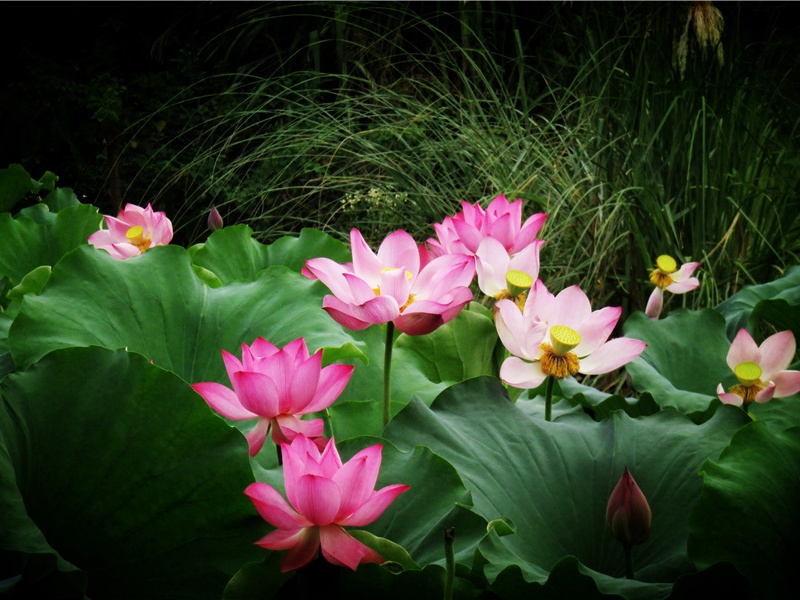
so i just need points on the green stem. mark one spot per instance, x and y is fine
(628, 560)
(387, 372)
(548, 399)
(449, 563)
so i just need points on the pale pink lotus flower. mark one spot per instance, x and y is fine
(502, 220)
(667, 276)
(132, 231)
(628, 514)
(559, 336)
(503, 276)
(761, 370)
(391, 286)
(277, 386)
(324, 496)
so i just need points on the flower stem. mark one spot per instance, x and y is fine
(548, 399)
(387, 372)
(628, 560)
(449, 563)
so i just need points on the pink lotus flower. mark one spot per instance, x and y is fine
(761, 370)
(132, 231)
(667, 276)
(502, 220)
(276, 386)
(324, 495)
(628, 514)
(390, 286)
(559, 336)
(214, 219)
(501, 275)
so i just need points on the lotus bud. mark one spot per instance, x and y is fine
(214, 219)
(628, 515)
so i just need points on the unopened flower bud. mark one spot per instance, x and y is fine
(628, 515)
(214, 219)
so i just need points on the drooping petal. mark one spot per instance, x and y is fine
(273, 507)
(655, 303)
(302, 545)
(520, 374)
(331, 274)
(373, 508)
(379, 310)
(787, 383)
(683, 274)
(777, 352)
(743, 349)
(611, 355)
(729, 397)
(342, 549)
(223, 400)
(257, 436)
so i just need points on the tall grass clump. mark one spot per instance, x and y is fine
(641, 129)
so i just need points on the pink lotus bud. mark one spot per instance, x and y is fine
(214, 219)
(628, 515)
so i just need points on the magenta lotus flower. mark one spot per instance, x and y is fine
(628, 514)
(277, 387)
(501, 275)
(214, 219)
(502, 220)
(559, 336)
(324, 496)
(761, 370)
(667, 276)
(132, 231)
(391, 286)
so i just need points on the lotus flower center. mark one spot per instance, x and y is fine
(563, 339)
(747, 373)
(518, 283)
(136, 237)
(667, 264)
(661, 276)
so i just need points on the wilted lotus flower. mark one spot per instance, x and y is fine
(324, 495)
(761, 370)
(628, 514)
(667, 276)
(214, 219)
(391, 286)
(132, 231)
(276, 386)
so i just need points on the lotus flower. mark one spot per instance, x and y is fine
(214, 219)
(559, 336)
(628, 514)
(132, 231)
(276, 386)
(667, 276)
(761, 370)
(324, 495)
(502, 220)
(390, 286)
(502, 276)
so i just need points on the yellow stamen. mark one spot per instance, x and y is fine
(518, 282)
(660, 277)
(136, 237)
(564, 339)
(559, 366)
(747, 392)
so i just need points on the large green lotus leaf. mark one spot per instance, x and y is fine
(155, 304)
(684, 360)
(743, 308)
(127, 474)
(15, 184)
(553, 479)
(416, 521)
(232, 254)
(747, 511)
(28, 243)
